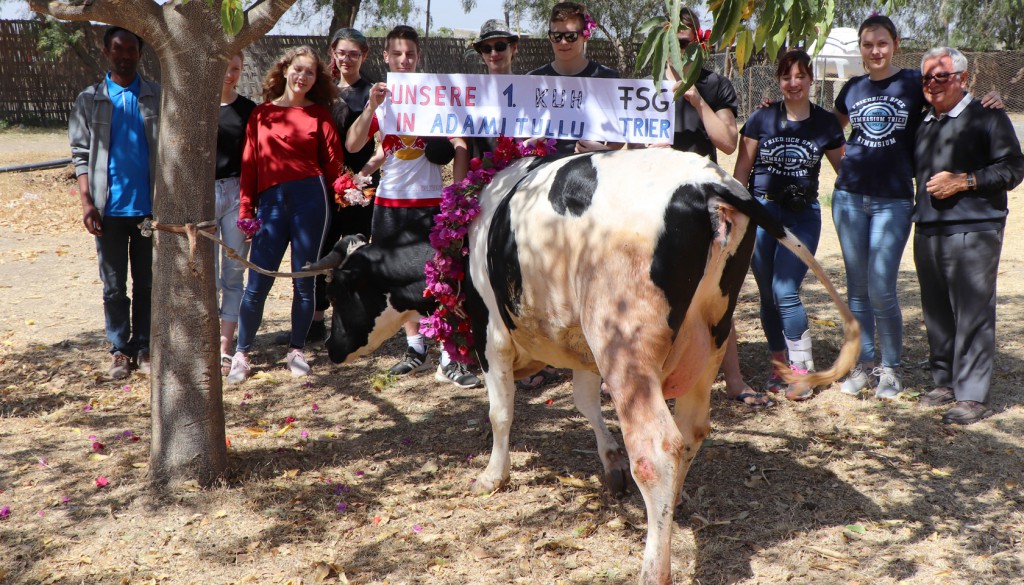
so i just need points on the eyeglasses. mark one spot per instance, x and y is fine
(350, 55)
(570, 36)
(940, 78)
(499, 46)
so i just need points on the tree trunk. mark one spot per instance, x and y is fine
(344, 14)
(188, 411)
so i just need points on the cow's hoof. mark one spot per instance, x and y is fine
(482, 486)
(617, 481)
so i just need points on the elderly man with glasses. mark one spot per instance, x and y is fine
(967, 158)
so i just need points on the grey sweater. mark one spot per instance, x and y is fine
(978, 140)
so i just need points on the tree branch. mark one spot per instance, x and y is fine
(259, 19)
(139, 16)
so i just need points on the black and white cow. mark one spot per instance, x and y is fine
(624, 266)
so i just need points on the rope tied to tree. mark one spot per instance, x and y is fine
(207, 229)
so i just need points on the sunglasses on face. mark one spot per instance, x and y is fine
(570, 36)
(499, 46)
(940, 78)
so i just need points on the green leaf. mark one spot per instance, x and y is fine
(232, 16)
(722, 19)
(659, 58)
(744, 48)
(693, 61)
(648, 26)
(776, 40)
(647, 50)
(856, 528)
(733, 24)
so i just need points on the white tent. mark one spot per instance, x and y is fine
(839, 58)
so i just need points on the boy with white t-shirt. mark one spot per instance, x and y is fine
(409, 193)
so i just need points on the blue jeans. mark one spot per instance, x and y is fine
(127, 319)
(873, 233)
(295, 212)
(779, 273)
(229, 272)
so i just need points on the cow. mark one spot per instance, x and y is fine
(621, 265)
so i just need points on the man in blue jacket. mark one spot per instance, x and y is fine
(113, 136)
(967, 158)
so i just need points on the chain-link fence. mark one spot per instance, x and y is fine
(1001, 71)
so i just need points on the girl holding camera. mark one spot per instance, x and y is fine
(779, 160)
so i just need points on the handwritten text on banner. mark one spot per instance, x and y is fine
(574, 108)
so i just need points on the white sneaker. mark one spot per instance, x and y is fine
(889, 383)
(857, 379)
(297, 363)
(240, 369)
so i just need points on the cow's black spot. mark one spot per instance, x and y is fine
(503, 268)
(357, 304)
(477, 311)
(681, 254)
(733, 274)
(573, 188)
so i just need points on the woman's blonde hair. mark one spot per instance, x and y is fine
(323, 91)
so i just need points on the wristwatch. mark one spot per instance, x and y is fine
(972, 181)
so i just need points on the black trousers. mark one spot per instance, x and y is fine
(957, 274)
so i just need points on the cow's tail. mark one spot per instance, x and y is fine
(735, 195)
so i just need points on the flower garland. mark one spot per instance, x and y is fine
(445, 272)
(249, 227)
(589, 26)
(351, 188)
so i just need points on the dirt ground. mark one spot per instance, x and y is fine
(333, 481)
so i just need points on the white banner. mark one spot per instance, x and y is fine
(572, 108)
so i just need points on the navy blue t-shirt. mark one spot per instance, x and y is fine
(884, 116)
(789, 152)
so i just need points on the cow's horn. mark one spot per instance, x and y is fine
(339, 253)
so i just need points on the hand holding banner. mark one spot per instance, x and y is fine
(525, 106)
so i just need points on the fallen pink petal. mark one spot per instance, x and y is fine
(42, 462)
(342, 506)
(315, 407)
(97, 446)
(64, 499)
(417, 528)
(87, 407)
(102, 482)
(304, 434)
(127, 388)
(5, 511)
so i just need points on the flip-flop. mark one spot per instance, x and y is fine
(743, 396)
(545, 377)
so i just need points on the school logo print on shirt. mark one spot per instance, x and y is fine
(404, 147)
(878, 118)
(787, 156)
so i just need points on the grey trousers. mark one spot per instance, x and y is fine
(957, 274)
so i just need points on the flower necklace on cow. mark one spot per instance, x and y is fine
(460, 205)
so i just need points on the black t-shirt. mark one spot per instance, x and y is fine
(231, 136)
(789, 152)
(690, 134)
(593, 69)
(356, 97)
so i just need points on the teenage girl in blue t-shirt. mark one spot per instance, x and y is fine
(874, 198)
(779, 160)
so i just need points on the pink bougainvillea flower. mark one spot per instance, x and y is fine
(316, 407)
(5, 511)
(92, 437)
(360, 473)
(127, 388)
(42, 462)
(126, 434)
(64, 499)
(304, 434)
(342, 506)
(87, 407)
(248, 396)
(97, 446)
(102, 482)
(41, 513)
(417, 528)
(289, 420)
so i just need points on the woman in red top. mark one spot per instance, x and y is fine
(292, 154)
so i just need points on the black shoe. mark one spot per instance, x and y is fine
(413, 362)
(317, 334)
(456, 373)
(967, 412)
